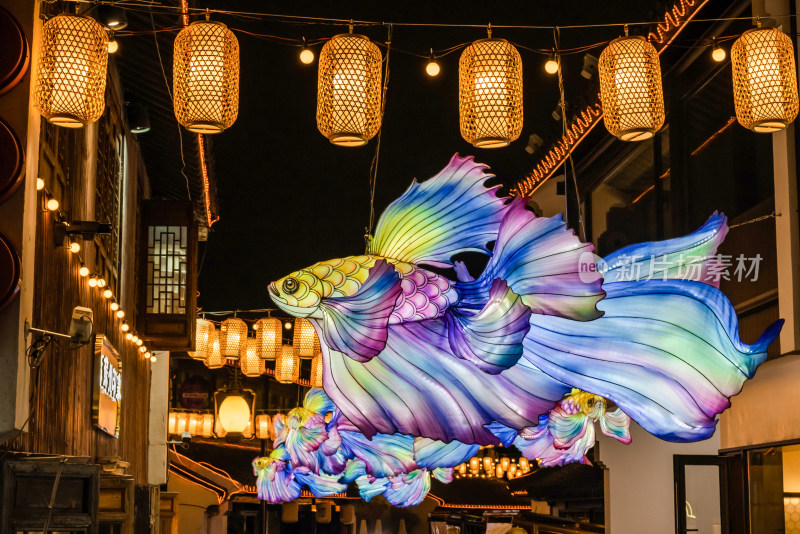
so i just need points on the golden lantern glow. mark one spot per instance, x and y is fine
(233, 338)
(52, 204)
(306, 56)
(120, 313)
(234, 414)
(287, 366)
(264, 428)
(504, 463)
(173, 417)
(107, 294)
(125, 327)
(305, 341)
(316, 371)
(499, 471)
(205, 77)
(202, 339)
(194, 419)
(73, 59)
(462, 468)
(84, 270)
(114, 306)
(349, 90)
(218, 430)
(630, 89)
(764, 80)
(474, 464)
(488, 464)
(269, 335)
(75, 247)
(182, 423)
(490, 93)
(250, 363)
(207, 427)
(39, 184)
(524, 464)
(214, 359)
(551, 66)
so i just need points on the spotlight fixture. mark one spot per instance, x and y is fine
(432, 67)
(111, 16)
(138, 117)
(589, 66)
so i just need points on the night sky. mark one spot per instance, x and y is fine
(289, 198)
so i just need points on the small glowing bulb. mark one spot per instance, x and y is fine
(107, 293)
(255, 326)
(140, 342)
(93, 281)
(134, 338)
(287, 325)
(101, 282)
(718, 54)
(113, 46)
(551, 67)
(52, 204)
(74, 247)
(147, 355)
(39, 184)
(142, 349)
(125, 327)
(120, 314)
(306, 56)
(84, 270)
(128, 336)
(432, 68)
(152, 359)
(114, 306)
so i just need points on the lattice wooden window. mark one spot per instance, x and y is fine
(108, 206)
(167, 253)
(59, 150)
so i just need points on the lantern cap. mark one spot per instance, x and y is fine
(350, 36)
(627, 37)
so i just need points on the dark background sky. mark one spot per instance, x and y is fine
(289, 198)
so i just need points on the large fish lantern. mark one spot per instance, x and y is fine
(409, 351)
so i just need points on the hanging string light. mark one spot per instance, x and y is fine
(306, 54)
(718, 53)
(269, 334)
(551, 65)
(764, 80)
(349, 90)
(305, 341)
(316, 371)
(206, 77)
(250, 363)
(490, 93)
(287, 366)
(233, 338)
(202, 339)
(71, 82)
(432, 68)
(630, 88)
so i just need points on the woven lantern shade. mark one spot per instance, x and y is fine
(205, 77)
(316, 371)
(73, 59)
(305, 341)
(233, 338)
(349, 90)
(264, 428)
(630, 89)
(172, 422)
(269, 334)
(250, 363)
(287, 366)
(202, 339)
(214, 360)
(490, 93)
(207, 429)
(764, 80)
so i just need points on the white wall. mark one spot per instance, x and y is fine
(639, 481)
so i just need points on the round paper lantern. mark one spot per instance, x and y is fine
(214, 360)
(269, 335)
(305, 341)
(234, 414)
(73, 58)
(764, 80)
(287, 366)
(316, 371)
(630, 89)
(250, 363)
(490, 93)
(233, 338)
(205, 77)
(202, 339)
(349, 90)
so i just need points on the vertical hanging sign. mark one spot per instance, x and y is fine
(107, 387)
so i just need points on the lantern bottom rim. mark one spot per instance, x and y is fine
(768, 126)
(65, 120)
(491, 142)
(639, 134)
(348, 139)
(205, 127)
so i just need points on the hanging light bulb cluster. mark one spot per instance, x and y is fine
(491, 462)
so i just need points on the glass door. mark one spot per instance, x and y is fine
(701, 502)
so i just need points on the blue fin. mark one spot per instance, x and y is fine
(505, 434)
(430, 453)
(356, 325)
(491, 339)
(450, 213)
(320, 485)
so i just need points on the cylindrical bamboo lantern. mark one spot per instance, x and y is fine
(504, 463)
(205, 77)
(524, 464)
(499, 471)
(287, 366)
(488, 464)
(202, 339)
(250, 363)
(233, 338)
(172, 422)
(182, 423)
(73, 59)
(490, 93)
(349, 90)
(316, 371)
(630, 89)
(269, 334)
(764, 80)
(214, 360)
(305, 341)
(474, 464)
(208, 425)
(264, 428)
(195, 424)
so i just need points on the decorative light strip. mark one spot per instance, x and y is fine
(674, 22)
(206, 191)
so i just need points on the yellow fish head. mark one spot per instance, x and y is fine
(299, 294)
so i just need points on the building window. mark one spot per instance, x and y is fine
(108, 205)
(167, 254)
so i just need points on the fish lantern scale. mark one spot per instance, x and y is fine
(269, 337)
(490, 93)
(630, 88)
(287, 366)
(203, 339)
(233, 338)
(205, 77)
(764, 80)
(214, 360)
(349, 90)
(73, 60)
(316, 371)
(250, 363)
(305, 341)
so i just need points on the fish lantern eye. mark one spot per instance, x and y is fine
(290, 286)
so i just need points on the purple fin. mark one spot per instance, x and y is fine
(491, 339)
(356, 325)
(462, 274)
